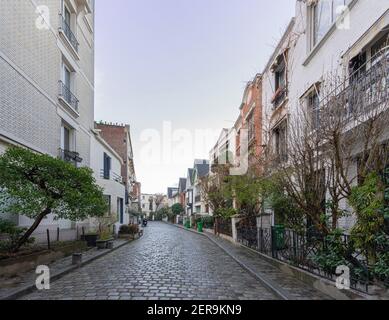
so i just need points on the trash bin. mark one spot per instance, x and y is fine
(279, 236)
(200, 225)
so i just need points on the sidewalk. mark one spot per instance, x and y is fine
(285, 286)
(59, 268)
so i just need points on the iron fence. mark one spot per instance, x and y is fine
(224, 226)
(301, 250)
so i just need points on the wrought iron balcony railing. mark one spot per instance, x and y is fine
(365, 91)
(67, 30)
(68, 96)
(70, 156)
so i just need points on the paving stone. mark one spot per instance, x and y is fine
(166, 263)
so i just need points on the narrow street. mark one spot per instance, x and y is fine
(167, 263)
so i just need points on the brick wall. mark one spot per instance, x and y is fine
(253, 96)
(116, 136)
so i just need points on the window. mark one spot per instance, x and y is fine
(325, 14)
(280, 76)
(67, 137)
(67, 77)
(377, 48)
(357, 66)
(68, 16)
(280, 80)
(314, 108)
(107, 166)
(280, 142)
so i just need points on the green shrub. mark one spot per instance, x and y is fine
(6, 226)
(332, 253)
(13, 235)
(208, 222)
(129, 229)
(225, 213)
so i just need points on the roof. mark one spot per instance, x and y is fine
(171, 192)
(190, 175)
(182, 185)
(202, 169)
(276, 52)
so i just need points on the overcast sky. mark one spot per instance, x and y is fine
(175, 70)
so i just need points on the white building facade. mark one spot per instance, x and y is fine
(326, 37)
(106, 165)
(47, 81)
(148, 205)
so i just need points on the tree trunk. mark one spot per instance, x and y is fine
(29, 232)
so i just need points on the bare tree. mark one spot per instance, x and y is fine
(214, 188)
(334, 142)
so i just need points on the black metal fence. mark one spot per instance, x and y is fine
(224, 226)
(301, 250)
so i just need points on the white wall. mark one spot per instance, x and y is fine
(307, 66)
(112, 188)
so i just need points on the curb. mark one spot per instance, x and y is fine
(31, 288)
(270, 285)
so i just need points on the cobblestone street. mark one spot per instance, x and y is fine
(167, 263)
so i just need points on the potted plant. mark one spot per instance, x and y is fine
(129, 231)
(105, 238)
(91, 239)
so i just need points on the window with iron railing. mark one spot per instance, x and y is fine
(66, 94)
(279, 69)
(107, 166)
(70, 156)
(65, 27)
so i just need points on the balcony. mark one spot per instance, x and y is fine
(67, 31)
(110, 175)
(279, 97)
(364, 94)
(67, 97)
(70, 156)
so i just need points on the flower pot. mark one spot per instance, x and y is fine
(77, 259)
(101, 244)
(110, 245)
(91, 240)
